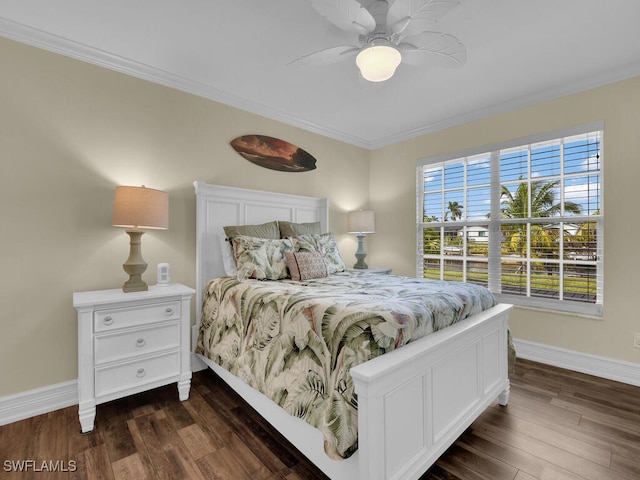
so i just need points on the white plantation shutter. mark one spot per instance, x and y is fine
(523, 219)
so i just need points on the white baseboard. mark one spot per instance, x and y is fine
(36, 402)
(620, 371)
(28, 404)
(47, 399)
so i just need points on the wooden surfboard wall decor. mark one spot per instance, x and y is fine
(273, 153)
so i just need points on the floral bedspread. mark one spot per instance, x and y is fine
(296, 341)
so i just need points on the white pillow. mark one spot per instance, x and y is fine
(228, 260)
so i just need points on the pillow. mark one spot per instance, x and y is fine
(265, 230)
(306, 265)
(324, 243)
(261, 258)
(228, 260)
(288, 229)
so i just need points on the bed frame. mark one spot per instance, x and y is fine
(413, 402)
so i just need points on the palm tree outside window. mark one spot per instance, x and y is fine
(524, 220)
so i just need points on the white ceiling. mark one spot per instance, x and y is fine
(236, 52)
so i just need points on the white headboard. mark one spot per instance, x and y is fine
(218, 206)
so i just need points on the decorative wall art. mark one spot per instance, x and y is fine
(273, 153)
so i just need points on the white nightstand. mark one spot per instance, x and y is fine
(379, 271)
(131, 342)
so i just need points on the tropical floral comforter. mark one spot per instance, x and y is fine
(296, 341)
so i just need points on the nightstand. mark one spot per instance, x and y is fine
(378, 271)
(131, 342)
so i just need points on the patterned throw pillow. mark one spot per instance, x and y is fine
(325, 244)
(306, 265)
(261, 258)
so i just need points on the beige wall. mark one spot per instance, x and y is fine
(392, 186)
(69, 133)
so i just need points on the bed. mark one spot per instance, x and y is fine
(412, 402)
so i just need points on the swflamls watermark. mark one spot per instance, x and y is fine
(40, 466)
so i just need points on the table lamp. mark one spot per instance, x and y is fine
(138, 209)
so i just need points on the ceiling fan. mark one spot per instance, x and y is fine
(389, 32)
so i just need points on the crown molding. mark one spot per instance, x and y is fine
(72, 49)
(588, 83)
(63, 46)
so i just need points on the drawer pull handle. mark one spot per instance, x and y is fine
(108, 320)
(169, 311)
(140, 342)
(141, 373)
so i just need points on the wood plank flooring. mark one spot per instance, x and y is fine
(558, 425)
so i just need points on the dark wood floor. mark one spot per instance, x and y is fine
(558, 425)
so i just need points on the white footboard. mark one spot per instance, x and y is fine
(413, 403)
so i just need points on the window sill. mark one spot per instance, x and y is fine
(587, 310)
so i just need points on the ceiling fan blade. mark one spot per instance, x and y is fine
(442, 48)
(410, 17)
(347, 15)
(326, 56)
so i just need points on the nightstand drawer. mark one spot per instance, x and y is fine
(138, 372)
(120, 345)
(137, 315)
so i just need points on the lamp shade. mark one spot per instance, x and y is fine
(140, 207)
(361, 221)
(378, 61)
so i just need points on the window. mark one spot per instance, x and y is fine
(523, 219)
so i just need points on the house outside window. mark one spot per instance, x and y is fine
(522, 218)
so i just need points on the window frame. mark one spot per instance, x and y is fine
(494, 222)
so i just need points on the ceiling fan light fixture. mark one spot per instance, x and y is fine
(378, 60)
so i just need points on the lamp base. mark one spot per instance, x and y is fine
(360, 253)
(135, 284)
(135, 265)
(360, 264)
